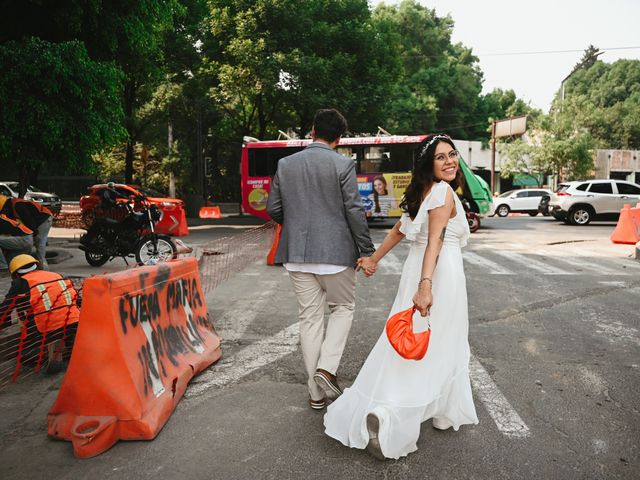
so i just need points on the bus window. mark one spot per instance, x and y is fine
(263, 162)
(387, 158)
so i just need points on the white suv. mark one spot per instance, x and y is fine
(526, 201)
(578, 203)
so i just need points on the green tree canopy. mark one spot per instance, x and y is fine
(57, 106)
(604, 100)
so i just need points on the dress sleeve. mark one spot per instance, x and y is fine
(436, 198)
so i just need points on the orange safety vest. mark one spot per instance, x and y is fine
(37, 205)
(16, 224)
(53, 300)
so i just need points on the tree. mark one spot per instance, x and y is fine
(604, 100)
(277, 61)
(58, 106)
(439, 83)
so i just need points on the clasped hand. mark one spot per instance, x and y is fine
(367, 265)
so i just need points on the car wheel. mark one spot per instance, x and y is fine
(533, 214)
(580, 216)
(503, 210)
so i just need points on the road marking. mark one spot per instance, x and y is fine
(391, 264)
(505, 417)
(233, 324)
(532, 263)
(231, 369)
(494, 268)
(585, 263)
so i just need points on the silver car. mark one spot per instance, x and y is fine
(578, 203)
(49, 200)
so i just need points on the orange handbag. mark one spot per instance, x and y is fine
(409, 345)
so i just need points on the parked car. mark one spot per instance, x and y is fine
(93, 199)
(525, 201)
(543, 206)
(578, 203)
(49, 200)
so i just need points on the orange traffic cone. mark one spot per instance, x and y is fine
(627, 230)
(271, 257)
(210, 212)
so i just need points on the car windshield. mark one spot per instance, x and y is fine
(150, 192)
(563, 187)
(506, 194)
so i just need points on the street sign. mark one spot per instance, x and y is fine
(511, 126)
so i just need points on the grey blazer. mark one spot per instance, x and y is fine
(314, 195)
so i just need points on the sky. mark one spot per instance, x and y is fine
(502, 26)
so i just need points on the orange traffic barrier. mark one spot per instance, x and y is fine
(143, 335)
(210, 212)
(628, 228)
(271, 256)
(173, 222)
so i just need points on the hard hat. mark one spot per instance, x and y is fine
(21, 261)
(3, 200)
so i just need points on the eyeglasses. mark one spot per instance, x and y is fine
(441, 157)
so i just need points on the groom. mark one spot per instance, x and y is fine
(314, 195)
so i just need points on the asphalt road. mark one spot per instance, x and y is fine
(555, 340)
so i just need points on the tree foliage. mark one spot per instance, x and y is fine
(57, 106)
(604, 100)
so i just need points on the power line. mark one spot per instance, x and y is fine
(544, 52)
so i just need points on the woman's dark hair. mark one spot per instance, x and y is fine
(375, 192)
(329, 124)
(422, 175)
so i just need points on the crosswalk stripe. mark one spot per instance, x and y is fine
(390, 264)
(582, 262)
(231, 369)
(505, 417)
(494, 268)
(532, 263)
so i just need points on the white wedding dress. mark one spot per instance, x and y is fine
(404, 393)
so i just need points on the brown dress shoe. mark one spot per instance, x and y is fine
(328, 383)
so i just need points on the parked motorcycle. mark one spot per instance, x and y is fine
(472, 218)
(134, 235)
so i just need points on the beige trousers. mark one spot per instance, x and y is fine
(322, 348)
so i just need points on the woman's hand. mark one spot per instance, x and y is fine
(423, 299)
(367, 265)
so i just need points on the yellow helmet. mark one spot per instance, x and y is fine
(3, 200)
(21, 261)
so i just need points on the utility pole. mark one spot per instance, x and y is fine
(172, 179)
(493, 157)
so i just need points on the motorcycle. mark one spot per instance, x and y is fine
(472, 218)
(134, 235)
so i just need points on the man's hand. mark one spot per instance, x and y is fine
(367, 265)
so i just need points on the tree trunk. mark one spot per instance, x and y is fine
(130, 89)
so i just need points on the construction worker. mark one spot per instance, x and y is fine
(15, 237)
(47, 309)
(36, 217)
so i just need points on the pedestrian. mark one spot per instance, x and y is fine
(15, 237)
(47, 308)
(384, 408)
(314, 196)
(35, 216)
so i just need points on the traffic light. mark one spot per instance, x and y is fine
(208, 167)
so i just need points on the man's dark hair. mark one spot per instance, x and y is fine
(329, 124)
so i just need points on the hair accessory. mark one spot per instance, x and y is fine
(430, 142)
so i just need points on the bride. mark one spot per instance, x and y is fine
(384, 408)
